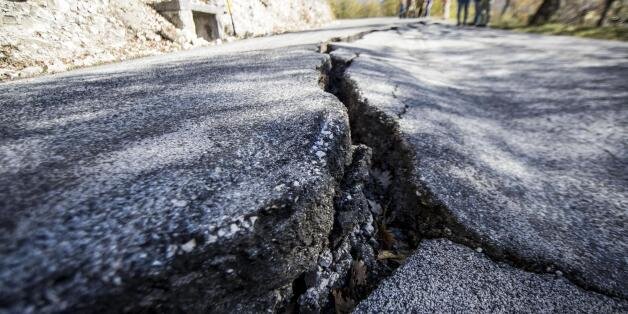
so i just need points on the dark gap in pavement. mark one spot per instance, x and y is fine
(372, 233)
(411, 211)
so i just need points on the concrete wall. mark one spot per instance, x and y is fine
(206, 25)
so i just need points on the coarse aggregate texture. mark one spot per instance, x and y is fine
(207, 180)
(518, 141)
(444, 277)
(197, 180)
(197, 185)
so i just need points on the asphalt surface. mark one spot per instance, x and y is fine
(444, 277)
(204, 180)
(518, 139)
(196, 181)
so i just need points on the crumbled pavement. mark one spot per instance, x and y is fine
(516, 142)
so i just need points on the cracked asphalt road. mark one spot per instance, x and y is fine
(519, 138)
(204, 180)
(169, 182)
(444, 277)
(110, 182)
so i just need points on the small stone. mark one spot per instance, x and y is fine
(233, 228)
(320, 154)
(221, 232)
(179, 203)
(52, 296)
(30, 71)
(189, 246)
(323, 284)
(325, 259)
(559, 273)
(8, 20)
(55, 67)
(479, 250)
(171, 251)
(375, 208)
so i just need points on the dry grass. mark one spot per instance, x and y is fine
(615, 32)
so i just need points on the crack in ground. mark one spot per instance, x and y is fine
(409, 211)
(367, 242)
(405, 108)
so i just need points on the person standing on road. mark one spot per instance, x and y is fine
(478, 12)
(428, 7)
(486, 12)
(406, 9)
(482, 12)
(463, 5)
(418, 8)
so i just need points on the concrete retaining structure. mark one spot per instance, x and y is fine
(201, 19)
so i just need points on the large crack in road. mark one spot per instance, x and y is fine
(369, 239)
(412, 209)
(253, 189)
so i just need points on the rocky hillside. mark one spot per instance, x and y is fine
(48, 36)
(259, 17)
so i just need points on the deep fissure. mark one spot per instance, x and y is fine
(409, 213)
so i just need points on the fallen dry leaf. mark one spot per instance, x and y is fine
(388, 239)
(385, 254)
(358, 274)
(343, 305)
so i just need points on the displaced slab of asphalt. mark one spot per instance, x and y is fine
(197, 181)
(446, 277)
(514, 144)
(152, 184)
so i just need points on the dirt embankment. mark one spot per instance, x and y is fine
(49, 36)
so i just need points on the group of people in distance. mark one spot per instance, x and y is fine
(421, 8)
(482, 12)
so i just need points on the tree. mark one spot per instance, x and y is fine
(371, 8)
(505, 7)
(344, 9)
(390, 7)
(545, 12)
(446, 9)
(607, 5)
